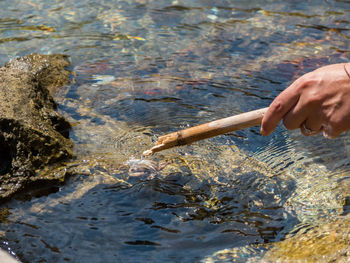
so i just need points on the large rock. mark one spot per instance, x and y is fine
(32, 134)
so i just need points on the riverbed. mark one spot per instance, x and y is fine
(141, 69)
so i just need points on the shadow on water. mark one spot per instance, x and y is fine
(141, 70)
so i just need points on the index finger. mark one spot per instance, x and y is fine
(281, 105)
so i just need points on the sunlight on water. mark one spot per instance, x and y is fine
(141, 69)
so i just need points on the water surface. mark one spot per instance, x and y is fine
(141, 69)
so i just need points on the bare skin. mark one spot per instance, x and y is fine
(316, 102)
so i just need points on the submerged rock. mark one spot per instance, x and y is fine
(325, 243)
(32, 134)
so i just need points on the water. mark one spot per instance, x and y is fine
(146, 68)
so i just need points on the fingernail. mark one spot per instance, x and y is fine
(262, 131)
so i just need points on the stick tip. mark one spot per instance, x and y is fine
(154, 149)
(147, 153)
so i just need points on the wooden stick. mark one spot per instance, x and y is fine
(207, 130)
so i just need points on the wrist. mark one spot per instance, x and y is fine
(347, 69)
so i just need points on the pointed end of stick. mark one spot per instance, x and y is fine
(148, 152)
(164, 142)
(154, 149)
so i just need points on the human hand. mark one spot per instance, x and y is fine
(316, 102)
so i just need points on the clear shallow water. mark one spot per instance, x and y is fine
(145, 68)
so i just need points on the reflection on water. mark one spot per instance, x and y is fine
(145, 68)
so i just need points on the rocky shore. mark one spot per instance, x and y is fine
(33, 135)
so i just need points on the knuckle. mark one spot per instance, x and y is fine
(277, 106)
(308, 82)
(314, 98)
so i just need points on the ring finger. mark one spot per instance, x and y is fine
(308, 131)
(312, 125)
